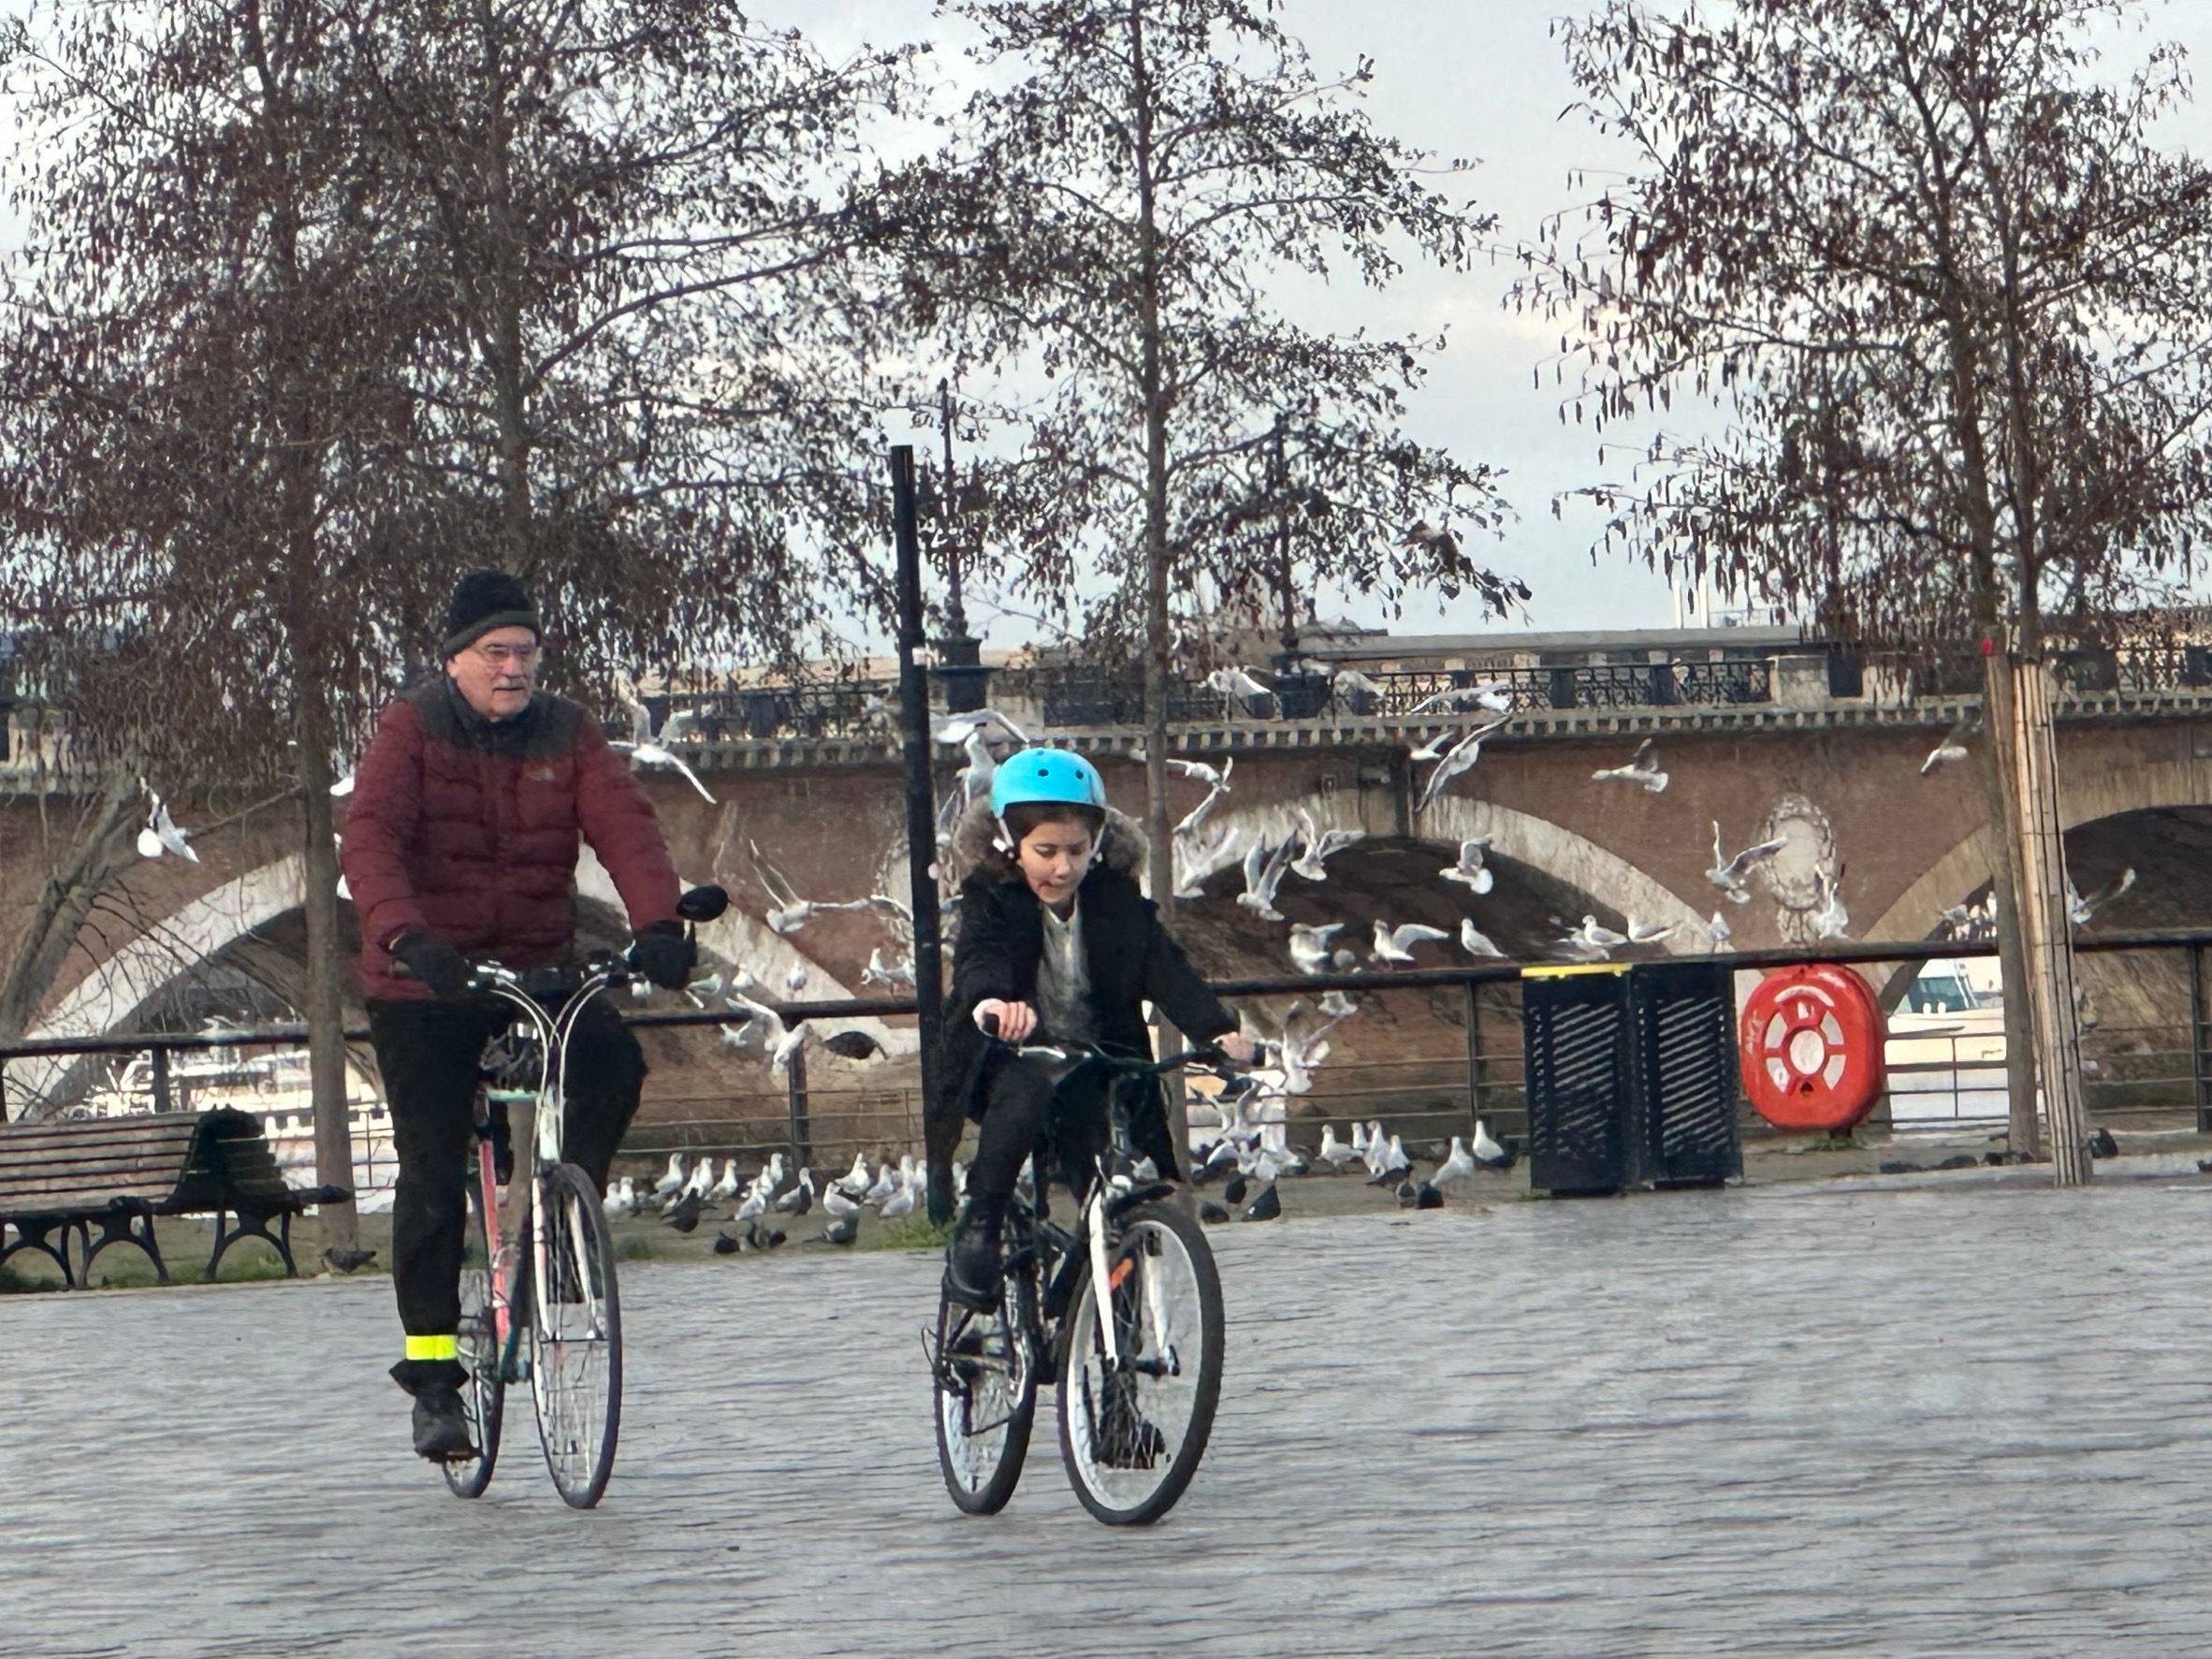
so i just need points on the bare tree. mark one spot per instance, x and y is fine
(649, 391)
(1111, 214)
(1932, 304)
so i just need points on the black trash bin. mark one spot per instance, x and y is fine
(1682, 1059)
(1575, 1030)
(1631, 1076)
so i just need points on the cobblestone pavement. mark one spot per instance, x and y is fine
(1957, 1420)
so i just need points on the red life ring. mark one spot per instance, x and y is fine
(1809, 1043)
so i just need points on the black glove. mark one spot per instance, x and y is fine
(434, 962)
(662, 955)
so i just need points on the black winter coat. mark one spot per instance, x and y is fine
(1129, 954)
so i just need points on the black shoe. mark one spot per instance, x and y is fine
(441, 1427)
(1124, 1440)
(972, 1267)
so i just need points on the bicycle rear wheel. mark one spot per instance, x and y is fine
(1132, 1431)
(485, 1390)
(986, 1395)
(575, 1372)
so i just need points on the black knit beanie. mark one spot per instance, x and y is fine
(486, 600)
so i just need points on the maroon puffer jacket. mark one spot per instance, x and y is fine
(469, 827)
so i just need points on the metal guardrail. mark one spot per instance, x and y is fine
(2143, 1070)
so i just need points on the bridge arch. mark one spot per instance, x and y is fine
(1607, 879)
(2085, 799)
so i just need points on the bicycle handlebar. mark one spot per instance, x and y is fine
(1208, 1054)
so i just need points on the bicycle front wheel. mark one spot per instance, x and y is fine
(485, 1390)
(1134, 1420)
(986, 1395)
(576, 1371)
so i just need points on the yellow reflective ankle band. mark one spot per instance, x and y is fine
(433, 1348)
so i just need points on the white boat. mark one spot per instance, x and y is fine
(1945, 1048)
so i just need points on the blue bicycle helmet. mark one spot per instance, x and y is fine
(1045, 775)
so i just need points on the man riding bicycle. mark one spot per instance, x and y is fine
(461, 845)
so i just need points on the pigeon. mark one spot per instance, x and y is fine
(1730, 874)
(684, 1214)
(1234, 1191)
(1470, 871)
(346, 1261)
(1486, 1152)
(1396, 944)
(2101, 1144)
(1264, 874)
(1426, 1197)
(1317, 847)
(1640, 769)
(1268, 1206)
(843, 1231)
(726, 1246)
(1211, 1213)
(762, 1238)
(1460, 757)
(854, 1045)
(1475, 941)
(1952, 749)
(1309, 946)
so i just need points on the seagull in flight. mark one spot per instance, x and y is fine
(1831, 918)
(1351, 679)
(1216, 784)
(1237, 683)
(649, 748)
(1264, 874)
(1730, 874)
(1470, 870)
(1459, 758)
(1395, 944)
(1495, 696)
(1213, 778)
(1952, 749)
(161, 835)
(2079, 909)
(1640, 769)
(961, 727)
(879, 972)
(787, 912)
(1316, 846)
(1309, 946)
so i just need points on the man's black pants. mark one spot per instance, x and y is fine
(428, 1053)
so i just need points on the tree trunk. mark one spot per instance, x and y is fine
(2046, 926)
(2024, 1123)
(326, 967)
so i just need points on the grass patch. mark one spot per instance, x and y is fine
(1846, 1141)
(635, 1247)
(908, 1232)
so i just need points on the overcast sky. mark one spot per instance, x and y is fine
(1484, 80)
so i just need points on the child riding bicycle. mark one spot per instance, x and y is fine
(1056, 941)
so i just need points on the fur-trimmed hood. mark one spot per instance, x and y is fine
(1122, 845)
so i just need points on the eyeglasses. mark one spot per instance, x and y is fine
(498, 656)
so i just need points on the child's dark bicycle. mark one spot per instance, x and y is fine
(1123, 1313)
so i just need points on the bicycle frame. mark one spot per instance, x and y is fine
(548, 1104)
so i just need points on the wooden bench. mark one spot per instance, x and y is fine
(59, 1179)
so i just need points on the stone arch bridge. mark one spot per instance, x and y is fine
(1838, 777)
